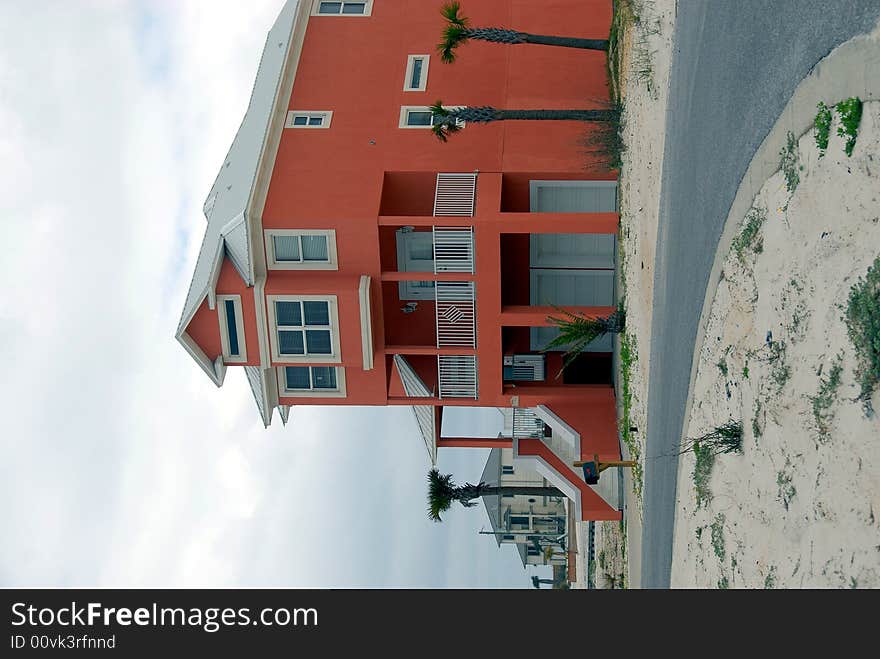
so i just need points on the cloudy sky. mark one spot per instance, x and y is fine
(122, 464)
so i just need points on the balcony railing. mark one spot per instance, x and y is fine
(526, 424)
(457, 376)
(455, 195)
(454, 249)
(456, 317)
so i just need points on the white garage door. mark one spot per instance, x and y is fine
(573, 196)
(572, 250)
(582, 288)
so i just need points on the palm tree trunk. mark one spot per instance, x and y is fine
(567, 42)
(504, 35)
(556, 115)
(525, 490)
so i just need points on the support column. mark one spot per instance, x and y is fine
(475, 442)
(535, 316)
(559, 222)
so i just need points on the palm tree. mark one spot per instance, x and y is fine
(445, 121)
(442, 492)
(576, 331)
(457, 31)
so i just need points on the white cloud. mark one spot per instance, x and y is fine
(123, 464)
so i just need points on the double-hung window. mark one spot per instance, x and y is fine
(308, 119)
(311, 381)
(342, 8)
(301, 249)
(304, 328)
(231, 328)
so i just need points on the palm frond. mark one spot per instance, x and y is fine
(453, 36)
(443, 123)
(450, 12)
(441, 494)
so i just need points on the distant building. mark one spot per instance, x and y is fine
(350, 258)
(536, 526)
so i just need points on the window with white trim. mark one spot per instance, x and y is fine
(231, 328)
(304, 328)
(416, 79)
(308, 119)
(342, 8)
(420, 116)
(301, 249)
(320, 379)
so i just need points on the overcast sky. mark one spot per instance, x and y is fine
(122, 463)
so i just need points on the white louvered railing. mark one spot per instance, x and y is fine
(457, 376)
(455, 195)
(456, 317)
(526, 424)
(454, 249)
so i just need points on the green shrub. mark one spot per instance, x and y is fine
(749, 237)
(850, 113)
(789, 163)
(863, 323)
(823, 127)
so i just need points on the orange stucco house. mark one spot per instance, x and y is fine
(350, 258)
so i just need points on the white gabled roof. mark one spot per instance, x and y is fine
(227, 205)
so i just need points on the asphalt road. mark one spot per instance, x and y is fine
(735, 65)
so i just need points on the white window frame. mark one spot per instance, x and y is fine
(277, 357)
(339, 392)
(330, 264)
(326, 116)
(406, 109)
(423, 80)
(368, 10)
(228, 357)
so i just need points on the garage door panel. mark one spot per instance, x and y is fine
(573, 196)
(572, 250)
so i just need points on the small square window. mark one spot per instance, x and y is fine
(288, 313)
(301, 120)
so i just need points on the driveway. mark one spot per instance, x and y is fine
(735, 65)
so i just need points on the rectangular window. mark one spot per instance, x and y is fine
(506, 469)
(304, 328)
(308, 119)
(519, 521)
(416, 79)
(231, 328)
(342, 8)
(315, 381)
(301, 249)
(419, 116)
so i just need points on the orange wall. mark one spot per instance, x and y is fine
(364, 165)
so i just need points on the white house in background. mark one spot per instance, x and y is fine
(537, 526)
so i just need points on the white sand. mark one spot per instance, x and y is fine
(801, 506)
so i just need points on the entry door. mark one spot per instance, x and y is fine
(415, 253)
